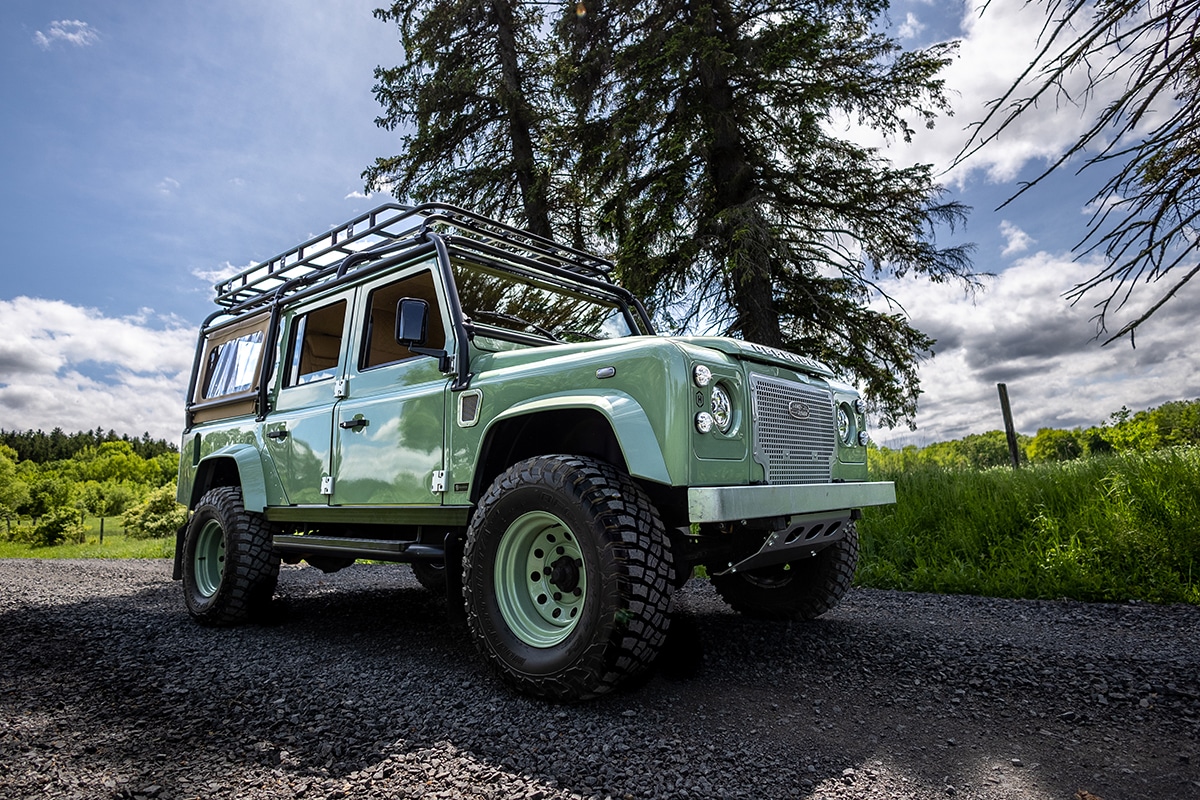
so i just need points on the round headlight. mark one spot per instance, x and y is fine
(722, 409)
(702, 375)
(843, 425)
(704, 422)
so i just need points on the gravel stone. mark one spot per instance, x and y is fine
(355, 685)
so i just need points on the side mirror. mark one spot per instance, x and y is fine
(412, 319)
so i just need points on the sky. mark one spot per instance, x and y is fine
(147, 147)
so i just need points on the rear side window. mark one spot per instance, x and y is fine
(233, 365)
(316, 344)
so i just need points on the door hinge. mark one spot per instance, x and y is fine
(327, 484)
(341, 388)
(439, 481)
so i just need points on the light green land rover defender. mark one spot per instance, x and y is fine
(425, 385)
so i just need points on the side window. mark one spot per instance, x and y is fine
(315, 344)
(232, 366)
(232, 363)
(380, 345)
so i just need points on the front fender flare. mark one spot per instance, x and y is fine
(631, 426)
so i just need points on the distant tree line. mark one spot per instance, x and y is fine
(41, 447)
(1172, 424)
(55, 480)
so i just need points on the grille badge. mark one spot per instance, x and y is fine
(798, 410)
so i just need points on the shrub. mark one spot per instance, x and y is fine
(157, 516)
(56, 526)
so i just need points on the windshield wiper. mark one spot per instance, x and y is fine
(516, 320)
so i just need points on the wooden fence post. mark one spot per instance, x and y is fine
(1009, 432)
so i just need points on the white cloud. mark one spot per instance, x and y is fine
(1016, 240)
(72, 367)
(70, 31)
(1021, 331)
(996, 45)
(168, 186)
(357, 196)
(911, 27)
(214, 276)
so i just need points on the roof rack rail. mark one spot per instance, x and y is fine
(383, 228)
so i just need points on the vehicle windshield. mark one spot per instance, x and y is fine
(509, 302)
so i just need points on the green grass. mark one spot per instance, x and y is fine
(1103, 528)
(116, 545)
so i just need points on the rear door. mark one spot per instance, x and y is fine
(297, 432)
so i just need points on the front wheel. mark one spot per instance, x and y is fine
(566, 577)
(229, 568)
(800, 590)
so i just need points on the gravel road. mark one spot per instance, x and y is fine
(358, 688)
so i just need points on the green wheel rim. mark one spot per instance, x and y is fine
(540, 578)
(208, 562)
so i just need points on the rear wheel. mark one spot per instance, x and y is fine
(797, 591)
(566, 577)
(229, 568)
(430, 574)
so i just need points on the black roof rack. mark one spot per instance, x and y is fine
(387, 229)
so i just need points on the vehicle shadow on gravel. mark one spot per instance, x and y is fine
(356, 685)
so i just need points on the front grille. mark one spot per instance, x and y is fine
(794, 430)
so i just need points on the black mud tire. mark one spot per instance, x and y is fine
(229, 568)
(800, 590)
(431, 575)
(567, 576)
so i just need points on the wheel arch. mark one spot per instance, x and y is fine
(236, 465)
(609, 427)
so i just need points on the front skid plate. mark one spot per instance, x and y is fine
(803, 537)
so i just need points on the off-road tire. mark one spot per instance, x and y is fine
(548, 628)
(800, 590)
(430, 574)
(229, 567)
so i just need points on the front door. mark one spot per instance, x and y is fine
(389, 431)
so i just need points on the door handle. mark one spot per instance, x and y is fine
(278, 435)
(353, 424)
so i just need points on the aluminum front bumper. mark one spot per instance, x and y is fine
(734, 503)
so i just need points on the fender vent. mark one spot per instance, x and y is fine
(468, 408)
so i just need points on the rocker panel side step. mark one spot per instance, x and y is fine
(378, 549)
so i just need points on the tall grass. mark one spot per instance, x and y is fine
(1103, 528)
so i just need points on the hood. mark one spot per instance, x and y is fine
(761, 353)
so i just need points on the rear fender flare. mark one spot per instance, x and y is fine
(251, 478)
